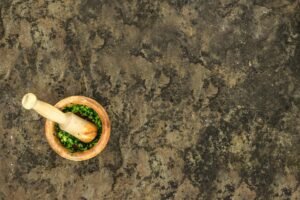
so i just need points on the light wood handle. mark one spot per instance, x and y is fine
(69, 122)
(48, 111)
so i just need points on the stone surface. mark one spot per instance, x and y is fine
(204, 97)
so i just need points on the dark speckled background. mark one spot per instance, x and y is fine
(204, 97)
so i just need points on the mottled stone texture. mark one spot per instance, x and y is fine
(204, 97)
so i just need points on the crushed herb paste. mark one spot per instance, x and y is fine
(69, 141)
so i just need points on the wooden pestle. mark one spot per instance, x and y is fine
(83, 130)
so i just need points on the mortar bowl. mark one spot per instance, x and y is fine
(87, 154)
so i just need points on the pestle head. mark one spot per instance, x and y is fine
(28, 101)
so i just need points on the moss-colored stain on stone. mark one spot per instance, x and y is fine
(203, 97)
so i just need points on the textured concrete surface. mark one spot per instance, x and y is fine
(204, 97)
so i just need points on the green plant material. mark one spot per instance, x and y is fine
(71, 142)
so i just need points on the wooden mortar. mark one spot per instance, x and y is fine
(90, 153)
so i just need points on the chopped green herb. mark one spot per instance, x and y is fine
(71, 142)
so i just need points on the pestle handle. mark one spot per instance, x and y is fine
(48, 111)
(69, 122)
